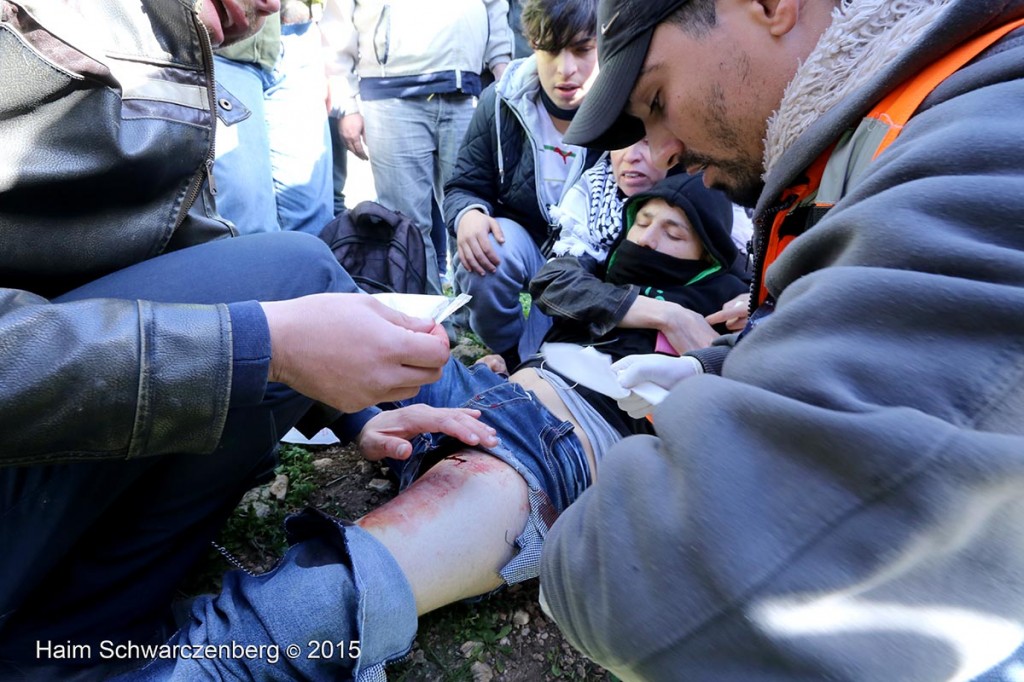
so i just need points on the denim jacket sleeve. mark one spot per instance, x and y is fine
(569, 288)
(106, 379)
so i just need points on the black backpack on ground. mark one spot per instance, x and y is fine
(381, 249)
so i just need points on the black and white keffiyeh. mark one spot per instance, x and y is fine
(590, 224)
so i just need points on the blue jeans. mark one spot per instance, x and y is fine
(273, 166)
(495, 313)
(413, 145)
(94, 551)
(541, 447)
(340, 174)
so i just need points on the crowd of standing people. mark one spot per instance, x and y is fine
(828, 485)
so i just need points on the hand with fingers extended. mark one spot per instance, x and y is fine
(350, 351)
(388, 433)
(733, 314)
(683, 328)
(474, 244)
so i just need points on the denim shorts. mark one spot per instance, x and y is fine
(541, 447)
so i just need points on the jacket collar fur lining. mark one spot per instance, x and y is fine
(864, 37)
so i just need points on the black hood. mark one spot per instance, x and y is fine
(708, 210)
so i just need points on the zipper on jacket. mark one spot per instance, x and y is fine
(762, 233)
(384, 20)
(211, 94)
(209, 176)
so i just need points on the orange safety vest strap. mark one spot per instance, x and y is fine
(794, 195)
(900, 104)
(895, 109)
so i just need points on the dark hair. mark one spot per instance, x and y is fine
(553, 25)
(696, 17)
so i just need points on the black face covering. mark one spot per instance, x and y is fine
(554, 110)
(635, 264)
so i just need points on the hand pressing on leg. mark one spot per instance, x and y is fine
(388, 433)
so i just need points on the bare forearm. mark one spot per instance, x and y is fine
(684, 329)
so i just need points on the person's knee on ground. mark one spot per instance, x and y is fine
(495, 311)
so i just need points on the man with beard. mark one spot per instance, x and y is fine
(838, 493)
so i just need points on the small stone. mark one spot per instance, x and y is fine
(481, 672)
(520, 617)
(418, 657)
(279, 488)
(543, 636)
(255, 495)
(260, 510)
(468, 649)
(366, 468)
(322, 463)
(379, 485)
(505, 641)
(525, 631)
(581, 672)
(537, 657)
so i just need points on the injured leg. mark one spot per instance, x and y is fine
(453, 530)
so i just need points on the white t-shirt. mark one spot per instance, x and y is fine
(556, 161)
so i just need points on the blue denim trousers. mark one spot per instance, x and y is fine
(495, 312)
(273, 166)
(92, 552)
(413, 145)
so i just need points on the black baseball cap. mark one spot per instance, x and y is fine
(624, 30)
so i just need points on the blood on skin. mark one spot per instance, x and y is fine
(427, 497)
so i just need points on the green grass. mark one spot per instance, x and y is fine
(256, 527)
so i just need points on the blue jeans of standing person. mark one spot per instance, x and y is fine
(413, 146)
(495, 311)
(300, 142)
(273, 166)
(93, 551)
(339, 153)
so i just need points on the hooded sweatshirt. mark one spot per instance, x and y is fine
(845, 502)
(702, 285)
(497, 172)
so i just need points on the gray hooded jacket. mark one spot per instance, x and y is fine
(846, 501)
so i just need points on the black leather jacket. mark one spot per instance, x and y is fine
(106, 123)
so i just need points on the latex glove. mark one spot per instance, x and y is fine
(636, 405)
(664, 370)
(649, 377)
